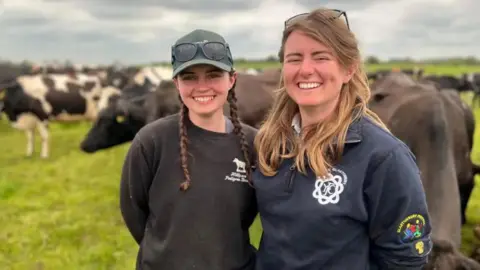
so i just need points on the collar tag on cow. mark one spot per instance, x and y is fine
(2, 93)
(411, 228)
(120, 119)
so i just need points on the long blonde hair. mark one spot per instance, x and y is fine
(323, 143)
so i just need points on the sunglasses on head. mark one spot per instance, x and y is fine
(338, 14)
(212, 50)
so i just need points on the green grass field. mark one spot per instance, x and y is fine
(62, 213)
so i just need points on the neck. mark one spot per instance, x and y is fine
(214, 122)
(311, 115)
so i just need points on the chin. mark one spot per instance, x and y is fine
(304, 102)
(205, 112)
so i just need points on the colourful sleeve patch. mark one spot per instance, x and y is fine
(411, 228)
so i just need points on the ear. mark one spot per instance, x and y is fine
(148, 83)
(175, 81)
(349, 72)
(233, 79)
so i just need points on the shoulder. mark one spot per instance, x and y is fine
(381, 143)
(389, 160)
(249, 131)
(159, 129)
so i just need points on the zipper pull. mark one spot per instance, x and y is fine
(290, 179)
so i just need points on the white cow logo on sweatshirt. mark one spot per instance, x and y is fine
(240, 175)
(328, 188)
(240, 165)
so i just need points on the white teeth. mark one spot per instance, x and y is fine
(308, 85)
(203, 99)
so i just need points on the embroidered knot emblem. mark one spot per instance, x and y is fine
(328, 188)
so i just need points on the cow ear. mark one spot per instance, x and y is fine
(8, 84)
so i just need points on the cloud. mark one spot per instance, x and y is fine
(101, 31)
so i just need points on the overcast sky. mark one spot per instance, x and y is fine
(138, 31)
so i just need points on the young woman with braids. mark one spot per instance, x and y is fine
(335, 189)
(185, 193)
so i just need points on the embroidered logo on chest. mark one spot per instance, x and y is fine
(328, 188)
(240, 175)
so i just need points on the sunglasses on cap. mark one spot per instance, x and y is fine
(337, 14)
(212, 50)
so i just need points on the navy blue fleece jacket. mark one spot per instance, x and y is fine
(369, 212)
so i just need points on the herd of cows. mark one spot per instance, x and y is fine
(120, 101)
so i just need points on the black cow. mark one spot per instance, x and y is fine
(461, 84)
(123, 117)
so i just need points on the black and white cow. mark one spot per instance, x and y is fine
(31, 101)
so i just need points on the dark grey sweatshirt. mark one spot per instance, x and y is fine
(205, 227)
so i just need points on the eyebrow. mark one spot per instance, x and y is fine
(313, 54)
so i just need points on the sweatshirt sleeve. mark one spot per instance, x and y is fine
(399, 223)
(134, 191)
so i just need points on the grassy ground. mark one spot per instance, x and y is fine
(62, 213)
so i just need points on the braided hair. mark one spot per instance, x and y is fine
(232, 101)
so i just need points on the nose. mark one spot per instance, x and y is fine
(306, 68)
(202, 84)
(86, 147)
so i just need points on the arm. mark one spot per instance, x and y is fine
(133, 191)
(399, 223)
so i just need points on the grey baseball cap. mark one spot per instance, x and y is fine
(201, 36)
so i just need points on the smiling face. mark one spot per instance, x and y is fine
(312, 75)
(204, 89)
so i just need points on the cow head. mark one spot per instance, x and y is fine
(467, 83)
(387, 92)
(10, 95)
(116, 78)
(2, 96)
(116, 124)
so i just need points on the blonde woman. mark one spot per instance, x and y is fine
(335, 190)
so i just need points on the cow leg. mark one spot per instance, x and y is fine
(27, 122)
(30, 142)
(42, 128)
(465, 192)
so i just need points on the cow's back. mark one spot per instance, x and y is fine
(63, 97)
(253, 99)
(459, 120)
